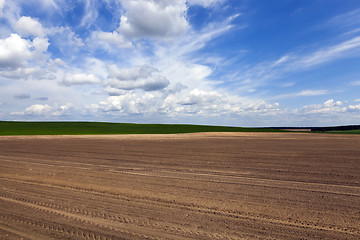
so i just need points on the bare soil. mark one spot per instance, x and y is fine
(181, 186)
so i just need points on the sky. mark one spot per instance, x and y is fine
(213, 62)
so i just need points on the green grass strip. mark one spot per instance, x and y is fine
(92, 128)
(357, 131)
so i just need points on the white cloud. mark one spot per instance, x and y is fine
(14, 51)
(281, 60)
(196, 97)
(159, 19)
(63, 109)
(23, 59)
(332, 103)
(79, 79)
(39, 47)
(144, 77)
(131, 103)
(114, 38)
(304, 93)
(329, 107)
(177, 62)
(40, 44)
(91, 13)
(184, 103)
(205, 3)
(354, 108)
(357, 100)
(260, 74)
(330, 112)
(348, 19)
(36, 109)
(28, 26)
(44, 110)
(344, 49)
(73, 40)
(65, 37)
(24, 73)
(184, 84)
(355, 31)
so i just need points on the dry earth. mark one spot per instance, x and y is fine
(185, 186)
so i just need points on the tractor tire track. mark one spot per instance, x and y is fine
(240, 216)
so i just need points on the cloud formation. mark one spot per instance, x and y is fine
(27, 26)
(144, 77)
(14, 51)
(329, 107)
(171, 61)
(79, 79)
(114, 38)
(36, 109)
(158, 19)
(205, 3)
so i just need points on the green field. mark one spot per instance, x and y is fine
(87, 128)
(357, 131)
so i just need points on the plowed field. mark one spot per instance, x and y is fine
(184, 186)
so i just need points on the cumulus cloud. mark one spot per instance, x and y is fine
(184, 103)
(22, 58)
(328, 107)
(354, 108)
(197, 96)
(330, 112)
(165, 20)
(39, 49)
(144, 77)
(114, 38)
(332, 103)
(197, 101)
(130, 103)
(36, 109)
(79, 79)
(28, 26)
(46, 111)
(14, 51)
(63, 109)
(159, 19)
(145, 19)
(24, 73)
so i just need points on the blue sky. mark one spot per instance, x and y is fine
(218, 62)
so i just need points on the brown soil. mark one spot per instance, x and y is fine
(182, 186)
